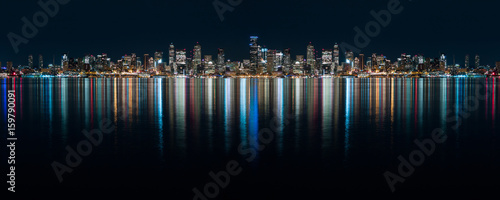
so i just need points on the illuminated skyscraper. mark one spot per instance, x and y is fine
(180, 57)
(158, 60)
(30, 61)
(171, 55)
(278, 59)
(40, 61)
(287, 60)
(443, 62)
(220, 58)
(64, 61)
(197, 55)
(254, 52)
(362, 62)
(146, 62)
(327, 58)
(356, 64)
(271, 55)
(349, 60)
(336, 57)
(263, 55)
(10, 68)
(478, 64)
(467, 60)
(310, 55)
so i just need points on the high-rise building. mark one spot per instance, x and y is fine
(356, 64)
(263, 55)
(64, 61)
(442, 61)
(254, 51)
(40, 61)
(171, 55)
(327, 57)
(287, 60)
(30, 61)
(271, 56)
(278, 59)
(336, 57)
(180, 57)
(497, 66)
(362, 62)
(220, 58)
(158, 60)
(310, 55)
(10, 68)
(146, 62)
(478, 64)
(467, 59)
(349, 60)
(197, 55)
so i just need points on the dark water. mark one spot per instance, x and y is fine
(333, 137)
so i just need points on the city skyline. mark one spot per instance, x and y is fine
(466, 61)
(458, 29)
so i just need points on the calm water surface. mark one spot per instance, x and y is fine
(334, 137)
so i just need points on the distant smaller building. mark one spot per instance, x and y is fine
(498, 66)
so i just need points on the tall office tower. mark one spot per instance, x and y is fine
(300, 58)
(327, 57)
(127, 62)
(208, 62)
(10, 69)
(151, 63)
(362, 62)
(477, 61)
(64, 61)
(374, 62)
(336, 56)
(349, 59)
(467, 59)
(442, 61)
(278, 59)
(171, 55)
(133, 62)
(263, 55)
(287, 60)
(30, 61)
(158, 60)
(497, 64)
(310, 55)
(326, 61)
(40, 61)
(197, 55)
(146, 62)
(356, 65)
(421, 62)
(271, 55)
(254, 52)
(180, 57)
(207, 58)
(221, 58)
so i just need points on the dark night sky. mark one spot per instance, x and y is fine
(456, 27)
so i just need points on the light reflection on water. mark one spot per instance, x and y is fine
(189, 123)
